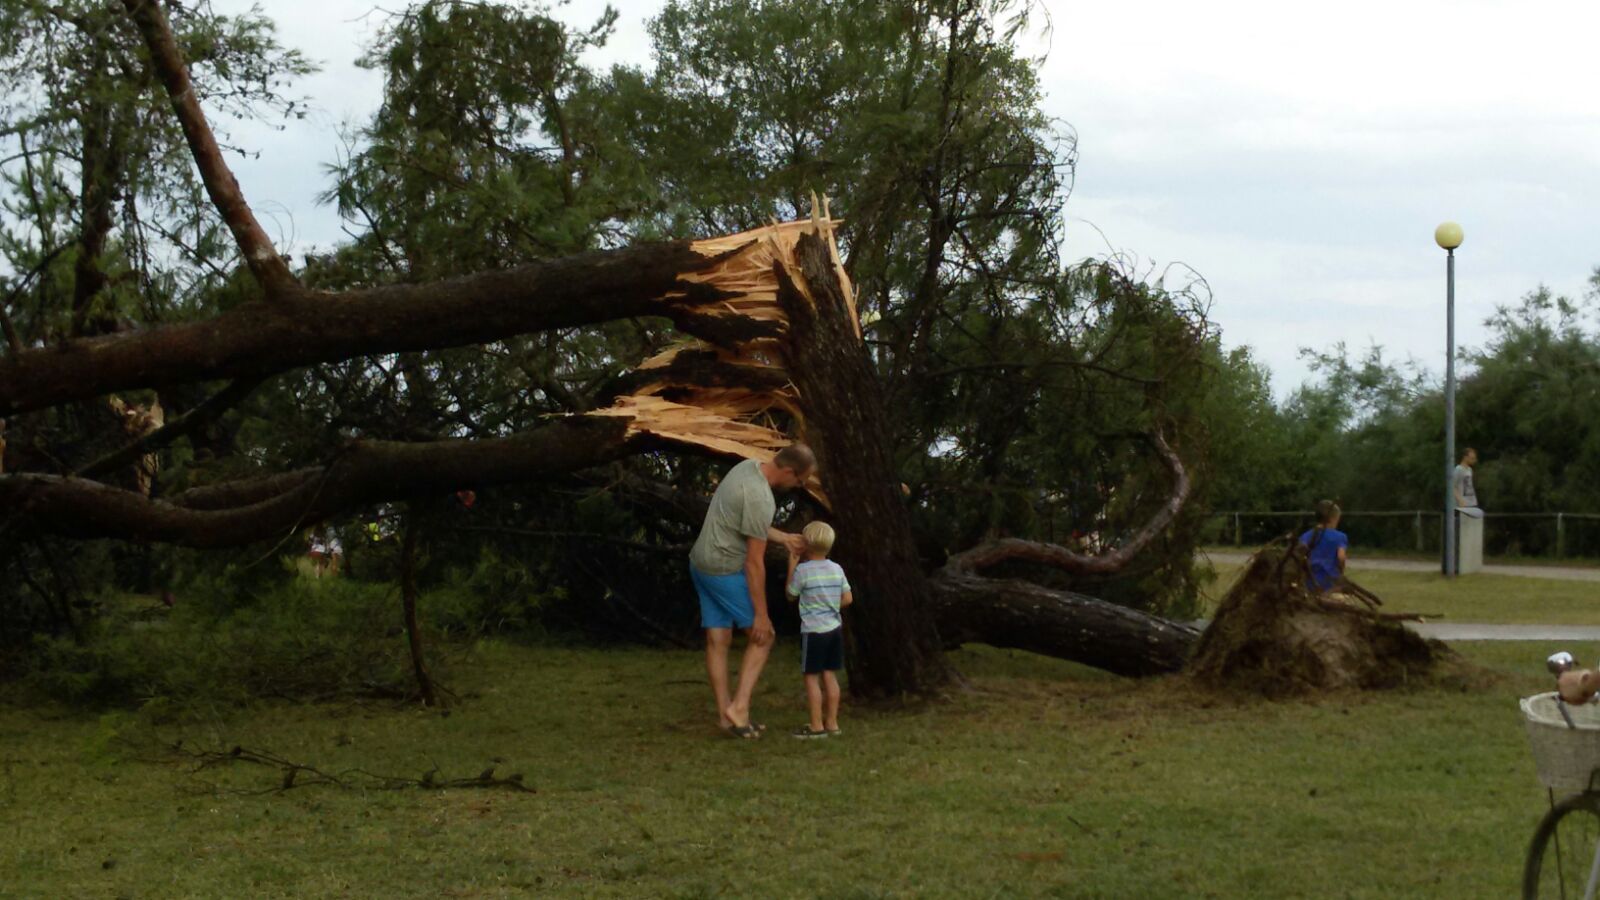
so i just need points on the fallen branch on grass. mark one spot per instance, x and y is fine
(295, 774)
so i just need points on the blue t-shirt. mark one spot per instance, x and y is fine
(1325, 556)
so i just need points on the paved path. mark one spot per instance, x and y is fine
(1468, 631)
(1479, 631)
(1558, 573)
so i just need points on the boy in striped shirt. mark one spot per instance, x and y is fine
(819, 586)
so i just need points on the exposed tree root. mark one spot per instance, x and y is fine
(1273, 636)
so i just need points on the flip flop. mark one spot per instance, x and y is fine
(805, 732)
(746, 732)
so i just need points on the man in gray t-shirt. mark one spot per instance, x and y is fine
(728, 565)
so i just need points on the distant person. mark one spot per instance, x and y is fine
(728, 566)
(1325, 548)
(820, 587)
(1466, 496)
(317, 552)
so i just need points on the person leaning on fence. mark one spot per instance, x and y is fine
(1325, 548)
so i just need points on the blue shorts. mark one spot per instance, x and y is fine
(724, 600)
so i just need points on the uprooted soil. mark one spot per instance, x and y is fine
(1271, 635)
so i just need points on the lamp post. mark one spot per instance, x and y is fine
(1448, 236)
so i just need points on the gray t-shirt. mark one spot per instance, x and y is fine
(742, 507)
(1462, 486)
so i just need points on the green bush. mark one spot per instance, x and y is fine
(303, 639)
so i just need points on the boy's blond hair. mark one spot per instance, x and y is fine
(819, 537)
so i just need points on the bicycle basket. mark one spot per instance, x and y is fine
(1565, 755)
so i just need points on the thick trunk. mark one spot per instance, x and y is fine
(1024, 616)
(892, 646)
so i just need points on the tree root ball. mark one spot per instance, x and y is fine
(1273, 636)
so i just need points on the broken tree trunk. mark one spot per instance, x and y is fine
(892, 645)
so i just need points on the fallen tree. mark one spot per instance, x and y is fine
(777, 355)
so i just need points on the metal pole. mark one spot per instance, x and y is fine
(1450, 416)
(1561, 537)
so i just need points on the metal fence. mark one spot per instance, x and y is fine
(1557, 535)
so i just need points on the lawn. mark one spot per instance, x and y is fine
(1045, 779)
(1470, 598)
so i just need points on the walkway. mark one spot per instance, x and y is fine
(1481, 631)
(1556, 573)
(1468, 631)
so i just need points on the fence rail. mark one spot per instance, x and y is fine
(1554, 534)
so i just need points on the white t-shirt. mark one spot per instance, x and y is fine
(1461, 485)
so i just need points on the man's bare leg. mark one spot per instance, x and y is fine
(717, 642)
(755, 659)
(830, 684)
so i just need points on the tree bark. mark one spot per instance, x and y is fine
(260, 338)
(892, 646)
(1065, 625)
(167, 61)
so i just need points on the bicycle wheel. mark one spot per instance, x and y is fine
(1564, 858)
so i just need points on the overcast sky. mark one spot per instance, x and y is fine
(1297, 156)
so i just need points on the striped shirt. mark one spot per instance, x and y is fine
(820, 584)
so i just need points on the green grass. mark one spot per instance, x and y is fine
(1475, 598)
(1046, 779)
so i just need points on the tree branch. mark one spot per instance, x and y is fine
(261, 338)
(167, 61)
(1024, 616)
(366, 473)
(995, 552)
(13, 339)
(201, 415)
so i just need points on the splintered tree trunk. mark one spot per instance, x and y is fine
(892, 645)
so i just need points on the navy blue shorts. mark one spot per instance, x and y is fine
(822, 652)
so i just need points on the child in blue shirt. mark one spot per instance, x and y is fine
(1326, 546)
(819, 586)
